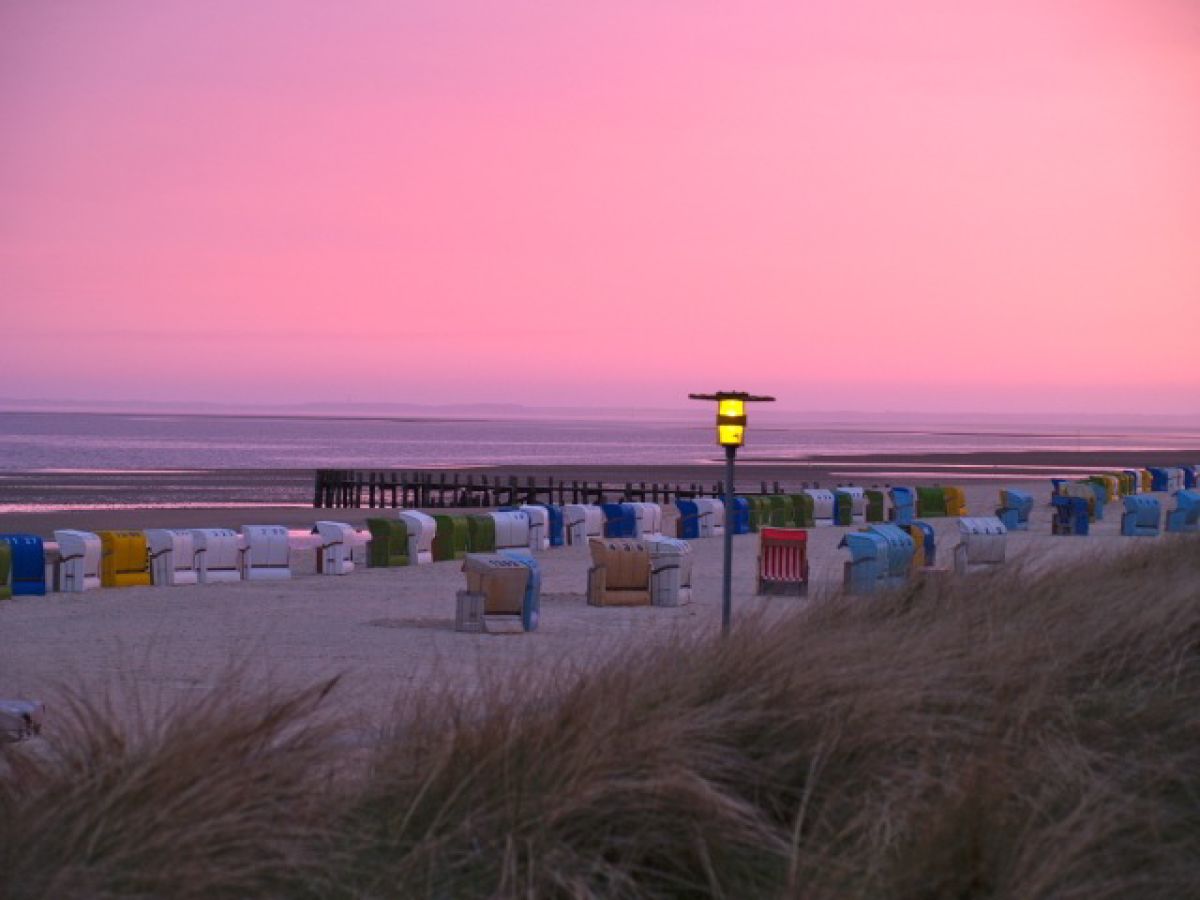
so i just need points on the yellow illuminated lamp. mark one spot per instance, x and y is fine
(731, 422)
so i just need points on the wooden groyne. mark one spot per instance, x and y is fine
(358, 489)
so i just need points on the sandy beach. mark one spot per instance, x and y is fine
(388, 631)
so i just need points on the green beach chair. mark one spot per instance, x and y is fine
(802, 510)
(843, 509)
(5, 570)
(389, 543)
(781, 511)
(875, 507)
(481, 533)
(931, 502)
(452, 538)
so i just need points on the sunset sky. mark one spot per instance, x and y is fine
(869, 205)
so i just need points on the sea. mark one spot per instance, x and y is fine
(113, 442)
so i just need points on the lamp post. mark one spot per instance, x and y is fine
(731, 434)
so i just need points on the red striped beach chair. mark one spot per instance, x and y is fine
(782, 561)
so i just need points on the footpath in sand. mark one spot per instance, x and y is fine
(389, 632)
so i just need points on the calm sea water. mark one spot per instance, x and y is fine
(111, 442)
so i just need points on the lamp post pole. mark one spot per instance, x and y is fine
(727, 574)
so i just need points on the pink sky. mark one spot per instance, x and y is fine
(853, 205)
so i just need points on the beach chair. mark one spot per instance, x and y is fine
(5, 571)
(554, 529)
(688, 525)
(1160, 479)
(802, 512)
(782, 561)
(670, 571)
(620, 520)
(931, 502)
(420, 529)
(1070, 515)
(712, 516)
(218, 555)
(1142, 516)
(1185, 517)
(982, 540)
(512, 529)
(79, 560)
(822, 506)
(868, 563)
(27, 573)
(901, 551)
(620, 572)
(1088, 492)
(843, 515)
(1134, 480)
(481, 533)
(389, 543)
(782, 511)
(924, 543)
(1112, 491)
(124, 559)
(539, 526)
(956, 501)
(335, 554)
(858, 503)
(172, 557)
(582, 521)
(904, 500)
(647, 520)
(1191, 475)
(740, 519)
(876, 505)
(451, 539)
(496, 595)
(1014, 509)
(267, 553)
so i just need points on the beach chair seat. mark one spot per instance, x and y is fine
(1185, 517)
(670, 571)
(335, 552)
(218, 554)
(451, 539)
(1142, 516)
(27, 572)
(497, 594)
(620, 572)
(983, 540)
(124, 559)
(904, 500)
(582, 521)
(782, 561)
(172, 556)
(1070, 515)
(79, 560)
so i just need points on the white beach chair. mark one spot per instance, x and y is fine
(79, 560)
(172, 556)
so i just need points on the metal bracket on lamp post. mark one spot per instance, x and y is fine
(731, 426)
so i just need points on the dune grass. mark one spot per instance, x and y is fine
(1006, 735)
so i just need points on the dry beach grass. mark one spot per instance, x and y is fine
(1013, 734)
